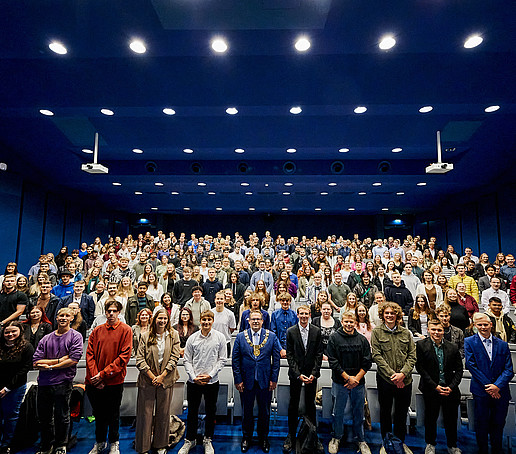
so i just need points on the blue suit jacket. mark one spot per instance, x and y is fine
(483, 372)
(246, 367)
(87, 306)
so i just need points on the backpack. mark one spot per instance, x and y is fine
(307, 439)
(392, 444)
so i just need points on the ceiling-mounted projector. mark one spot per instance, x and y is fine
(439, 166)
(95, 167)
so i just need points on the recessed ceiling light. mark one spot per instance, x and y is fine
(158, 184)
(266, 185)
(231, 110)
(377, 184)
(343, 150)
(175, 193)
(116, 183)
(491, 109)
(351, 209)
(291, 150)
(154, 208)
(138, 46)
(289, 184)
(58, 48)
(186, 208)
(387, 42)
(107, 112)
(296, 110)
(284, 209)
(46, 112)
(362, 193)
(211, 193)
(188, 151)
(400, 193)
(201, 184)
(248, 193)
(219, 45)
(473, 41)
(332, 184)
(421, 184)
(137, 150)
(138, 193)
(302, 44)
(169, 111)
(397, 150)
(244, 184)
(385, 209)
(286, 193)
(87, 151)
(426, 109)
(239, 150)
(360, 109)
(318, 209)
(218, 209)
(324, 193)
(252, 208)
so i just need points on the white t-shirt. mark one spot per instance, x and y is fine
(223, 322)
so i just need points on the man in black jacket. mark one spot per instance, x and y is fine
(440, 365)
(503, 326)
(349, 356)
(304, 357)
(398, 293)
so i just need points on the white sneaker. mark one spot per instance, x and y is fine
(185, 449)
(363, 448)
(406, 449)
(208, 447)
(382, 450)
(430, 449)
(60, 450)
(114, 448)
(454, 450)
(162, 451)
(333, 446)
(98, 448)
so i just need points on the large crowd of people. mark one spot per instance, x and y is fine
(404, 305)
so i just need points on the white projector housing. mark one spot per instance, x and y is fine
(439, 167)
(94, 168)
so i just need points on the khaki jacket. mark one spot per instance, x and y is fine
(393, 352)
(147, 359)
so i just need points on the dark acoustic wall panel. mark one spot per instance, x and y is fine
(10, 199)
(31, 233)
(488, 226)
(508, 226)
(53, 240)
(438, 230)
(103, 225)
(73, 226)
(469, 228)
(421, 229)
(88, 226)
(453, 229)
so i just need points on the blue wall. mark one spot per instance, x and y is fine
(35, 220)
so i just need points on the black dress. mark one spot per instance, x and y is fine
(34, 338)
(325, 331)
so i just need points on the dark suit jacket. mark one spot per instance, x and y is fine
(499, 371)
(300, 361)
(246, 367)
(87, 306)
(428, 366)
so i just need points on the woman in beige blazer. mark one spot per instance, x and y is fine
(156, 359)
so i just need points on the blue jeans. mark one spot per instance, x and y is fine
(9, 411)
(340, 399)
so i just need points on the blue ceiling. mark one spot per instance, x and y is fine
(263, 76)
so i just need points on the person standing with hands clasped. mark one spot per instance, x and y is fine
(488, 358)
(440, 365)
(107, 355)
(349, 356)
(394, 353)
(156, 359)
(256, 364)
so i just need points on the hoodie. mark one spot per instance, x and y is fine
(400, 295)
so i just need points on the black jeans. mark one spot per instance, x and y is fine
(387, 394)
(194, 394)
(106, 403)
(296, 386)
(433, 404)
(53, 403)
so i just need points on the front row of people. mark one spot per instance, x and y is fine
(256, 366)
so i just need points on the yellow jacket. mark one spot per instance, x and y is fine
(471, 285)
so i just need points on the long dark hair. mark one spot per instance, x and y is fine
(19, 344)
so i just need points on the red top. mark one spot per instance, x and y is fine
(108, 352)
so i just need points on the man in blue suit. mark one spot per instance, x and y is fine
(489, 360)
(85, 302)
(256, 364)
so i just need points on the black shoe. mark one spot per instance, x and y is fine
(245, 445)
(265, 445)
(287, 444)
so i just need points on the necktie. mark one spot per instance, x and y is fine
(487, 343)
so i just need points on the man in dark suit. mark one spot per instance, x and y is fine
(256, 364)
(489, 360)
(440, 365)
(85, 302)
(304, 357)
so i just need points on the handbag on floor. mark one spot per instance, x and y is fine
(307, 440)
(392, 444)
